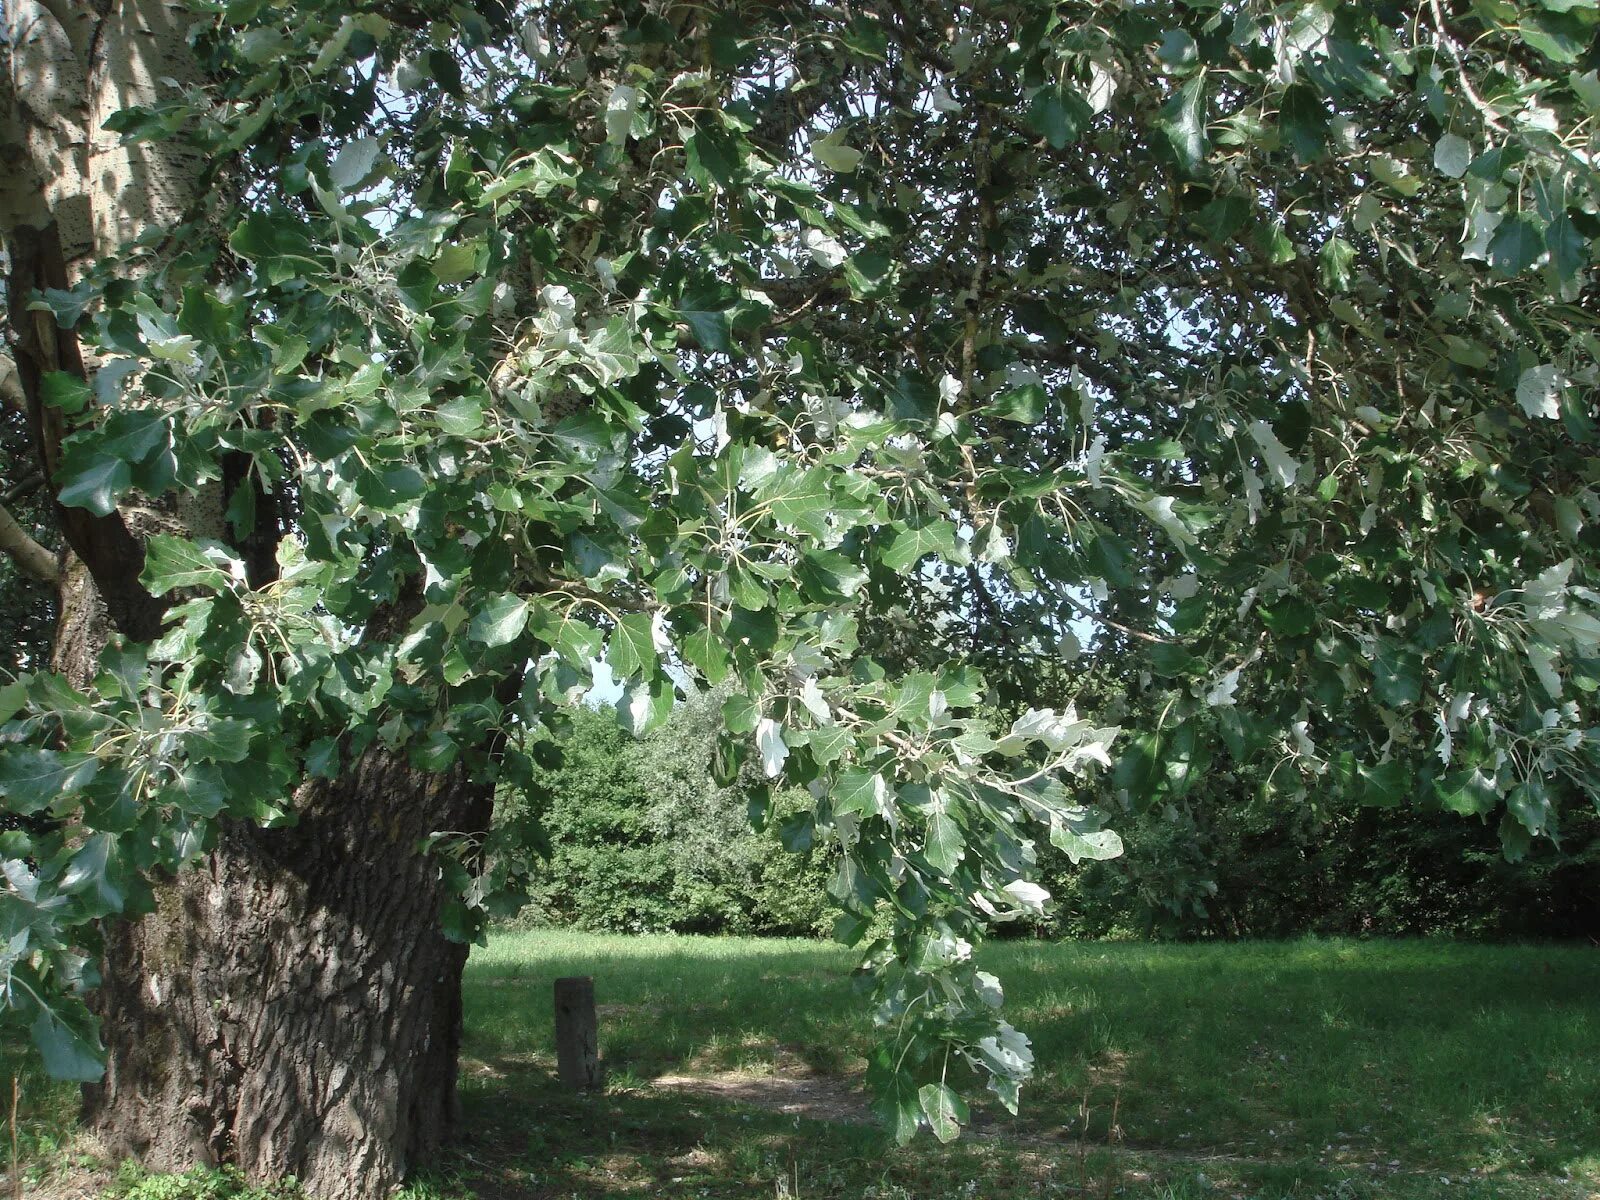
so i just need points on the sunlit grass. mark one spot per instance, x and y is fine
(1308, 1068)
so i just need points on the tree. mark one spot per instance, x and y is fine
(418, 354)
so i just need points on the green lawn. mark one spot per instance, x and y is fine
(1335, 1069)
(1341, 1070)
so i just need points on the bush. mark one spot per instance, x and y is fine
(643, 840)
(1217, 865)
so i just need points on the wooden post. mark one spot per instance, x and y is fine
(577, 1034)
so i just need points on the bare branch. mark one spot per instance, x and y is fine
(31, 558)
(24, 487)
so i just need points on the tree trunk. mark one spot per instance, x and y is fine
(292, 1006)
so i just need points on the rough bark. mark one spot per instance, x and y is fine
(292, 1006)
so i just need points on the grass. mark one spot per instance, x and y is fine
(1347, 1070)
(1317, 1069)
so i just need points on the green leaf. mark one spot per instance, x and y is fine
(894, 1094)
(97, 486)
(946, 1112)
(858, 792)
(356, 160)
(800, 499)
(1095, 846)
(713, 157)
(462, 416)
(1178, 48)
(458, 263)
(646, 705)
(219, 740)
(1058, 114)
(1025, 405)
(1182, 122)
(68, 1044)
(1385, 785)
(945, 845)
(707, 652)
(63, 392)
(740, 714)
(827, 575)
(1469, 792)
(436, 752)
(712, 329)
(1334, 263)
(632, 649)
(31, 779)
(908, 546)
(322, 758)
(1569, 250)
(500, 620)
(1303, 122)
(1397, 676)
(174, 562)
(1516, 246)
(96, 868)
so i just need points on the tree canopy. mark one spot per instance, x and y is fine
(892, 366)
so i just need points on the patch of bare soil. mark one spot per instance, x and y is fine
(818, 1097)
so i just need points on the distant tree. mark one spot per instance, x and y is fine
(389, 362)
(643, 838)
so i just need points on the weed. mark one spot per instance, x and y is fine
(133, 1182)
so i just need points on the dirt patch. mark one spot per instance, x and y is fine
(817, 1097)
(627, 1010)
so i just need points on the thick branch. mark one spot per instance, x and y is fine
(11, 394)
(32, 558)
(113, 556)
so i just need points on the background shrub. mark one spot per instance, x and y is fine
(643, 840)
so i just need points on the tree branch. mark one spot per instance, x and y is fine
(113, 555)
(24, 487)
(11, 394)
(31, 558)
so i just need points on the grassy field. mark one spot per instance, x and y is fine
(1337, 1070)
(1309, 1069)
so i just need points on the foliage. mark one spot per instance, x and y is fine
(133, 1182)
(1219, 866)
(642, 839)
(1251, 343)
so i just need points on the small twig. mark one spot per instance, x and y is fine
(1089, 611)
(16, 1171)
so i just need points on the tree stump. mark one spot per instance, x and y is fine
(577, 1034)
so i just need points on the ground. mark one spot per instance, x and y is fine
(1339, 1070)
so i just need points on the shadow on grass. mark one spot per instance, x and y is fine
(531, 1140)
(1433, 1055)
